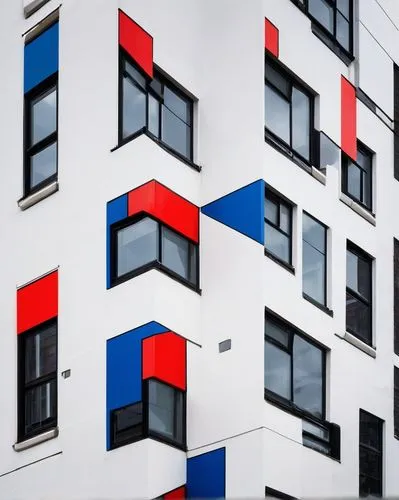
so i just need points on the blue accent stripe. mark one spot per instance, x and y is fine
(41, 58)
(206, 475)
(116, 211)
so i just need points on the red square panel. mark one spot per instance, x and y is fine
(271, 38)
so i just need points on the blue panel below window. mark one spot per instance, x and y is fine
(41, 58)
(206, 475)
(116, 211)
(242, 210)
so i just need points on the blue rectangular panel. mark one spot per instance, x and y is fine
(206, 475)
(116, 211)
(41, 58)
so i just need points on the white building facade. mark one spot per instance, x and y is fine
(200, 280)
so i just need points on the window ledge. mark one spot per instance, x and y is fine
(280, 262)
(32, 6)
(318, 305)
(358, 208)
(371, 351)
(40, 195)
(318, 174)
(41, 438)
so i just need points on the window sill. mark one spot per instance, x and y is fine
(318, 175)
(331, 44)
(33, 6)
(280, 262)
(318, 305)
(351, 339)
(34, 441)
(369, 217)
(32, 199)
(161, 144)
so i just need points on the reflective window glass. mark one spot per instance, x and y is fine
(44, 116)
(43, 165)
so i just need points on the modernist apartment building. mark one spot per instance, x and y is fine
(200, 254)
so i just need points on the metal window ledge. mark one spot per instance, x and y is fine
(34, 198)
(318, 174)
(31, 6)
(371, 351)
(41, 438)
(357, 208)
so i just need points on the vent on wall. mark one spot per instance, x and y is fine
(31, 6)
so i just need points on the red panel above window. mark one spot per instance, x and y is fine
(137, 43)
(37, 302)
(348, 118)
(271, 38)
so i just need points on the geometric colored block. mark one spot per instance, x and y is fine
(165, 205)
(177, 494)
(241, 210)
(164, 357)
(206, 475)
(41, 58)
(37, 302)
(271, 38)
(348, 118)
(116, 211)
(137, 43)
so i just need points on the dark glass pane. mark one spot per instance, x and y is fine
(323, 12)
(370, 430)
(43, 165)
(300, 123)
(137, 245)
(343, 7)
(277, 243)
(156, 86)
(277, 114)
(175, 133)
(128, 423)
(193, 277)
(317, 430)
(40, 405)
(271, 210)
(41, 353)
(313, 273)
(343, 32)
(358, 318)
(44, 116)
(354, 181)
(369, 486)
(132, 73)
(285, 218)
(277, 371)
(274, 331)
(308, 377)
(153, 115)
(364, 160)
(316, 445)
(134, 108)
(177, 105)
(329, 152)
(278, 80)
(314, 233)
(175, 252)
(358, 274)
(369, 463)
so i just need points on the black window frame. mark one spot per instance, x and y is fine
(345, 160)
(278, 200)
(271, 492)
(273, 139)
(396, 402)
(154, 264)
(164, 80)
(146, 431)
(354, 249)
(367, 447)
(41, 90)
(24, 386)
(396, 296)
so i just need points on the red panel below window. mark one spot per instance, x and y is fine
(178, 493)
(348, 118)
(37, 302)
(271, 38)
(137, 42)
(164, 357)
(168, 207)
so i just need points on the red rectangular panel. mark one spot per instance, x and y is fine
(137, 42)
(164, 357)
(271, 38)
(348, 118)
(166, 206)
(37, 302)
(178, 493)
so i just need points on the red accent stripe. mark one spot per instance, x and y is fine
(271, 38)
(168, 207)
(348, 118)
(137, 42)
(37, 302)
(178, 493)
(164, 357)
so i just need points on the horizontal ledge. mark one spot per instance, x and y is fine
(40, 195)
(318, 175)
(351, 339)
(41, 438)
(357, 208)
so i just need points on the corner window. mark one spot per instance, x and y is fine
(358, 294)
(357, 177)
(370, 455)
(278, 227)
(37, 409)
(314, 257)
(146, 243)
(160, 415)
(156, 107)
(288, 112)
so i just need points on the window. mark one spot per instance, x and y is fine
(370, 455)
(357, 177)
(146, 243)
(155, 107)
(37, 409)
(160, 415)
(314, 263)
(288, 112)
(396, 296)
(358, 294)
(396, 402)
(278, 227)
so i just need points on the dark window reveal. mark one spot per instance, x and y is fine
(357, 177)
(396, 295)
(370, 455)
(157, 107)
(396, 402)
(278, 227)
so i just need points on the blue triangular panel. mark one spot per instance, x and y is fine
(242, 210)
